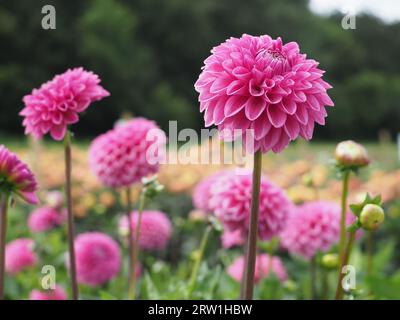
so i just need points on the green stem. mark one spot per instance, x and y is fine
(325, 284)
(3, 232)
(70, 217)
(250, 262)
(130, 235)
(345, 192)
(135, 249)
(370, 254)
(199, 258)
(313, 278)
(344, 262)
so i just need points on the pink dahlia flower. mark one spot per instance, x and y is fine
(262, 84)
(98, 258)
(126, 154)
(155, 231)
(15, 177)
(263, 266)
(231, 202)
(20, 255)
(201, 193)
(44, 219)
(57, 103)
(312, 227)
(57, 294)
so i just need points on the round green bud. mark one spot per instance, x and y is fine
(371, 217)
(351, 154)
(330, 260)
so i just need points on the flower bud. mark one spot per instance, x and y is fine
(371, 217)
(330, 261)
(351, 154)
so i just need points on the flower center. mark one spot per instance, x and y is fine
(273, 59)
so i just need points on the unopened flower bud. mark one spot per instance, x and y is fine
(330, 261)
(350, 154)
(371, 217)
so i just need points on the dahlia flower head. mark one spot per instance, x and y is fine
(261, 84)
(44, 219)
(57, 294)
(20, 255)
(264, 263)
(128, 153)
(313, 227)
(16, 177)
(201, 193)
(155, 229)
(98, 258)
(57, 103)
(231, 202)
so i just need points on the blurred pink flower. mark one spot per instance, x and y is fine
(55, 199)
(44, 219)
(20, 255)
(262, 269)
(231, 202)
(98, 258)
(15, 177)
(57, 103)
(155, 231)
(57, 294)
(261, 84)
(232, 238)
(311, 228)
(120, 157)
(201, 193)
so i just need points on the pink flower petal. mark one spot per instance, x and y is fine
(254, 107)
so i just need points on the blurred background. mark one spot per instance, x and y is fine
(149, 54)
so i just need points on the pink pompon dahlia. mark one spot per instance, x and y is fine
(231, 203)
(16, 177)
(201, 193)
(126, 154)
(313, 227)
(57, 103)
(263, 266)
(261, 84)
(43, 219)
(20, 255)
(98, 258)
(155, 231)
(57, 294)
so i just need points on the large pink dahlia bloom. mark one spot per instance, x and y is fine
(43, 219)
(57, 103)
(98, 258)
(15, 177)
(126, 154)
(20, 255)
(57, 294)
(155, 230)
(261, 84)
(264, 263)
(231, 203)
(313, 227)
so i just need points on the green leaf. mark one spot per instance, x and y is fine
(152, 292)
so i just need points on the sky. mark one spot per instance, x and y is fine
(387, 10)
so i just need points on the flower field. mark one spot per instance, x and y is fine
(255, 163)
(169, 257)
